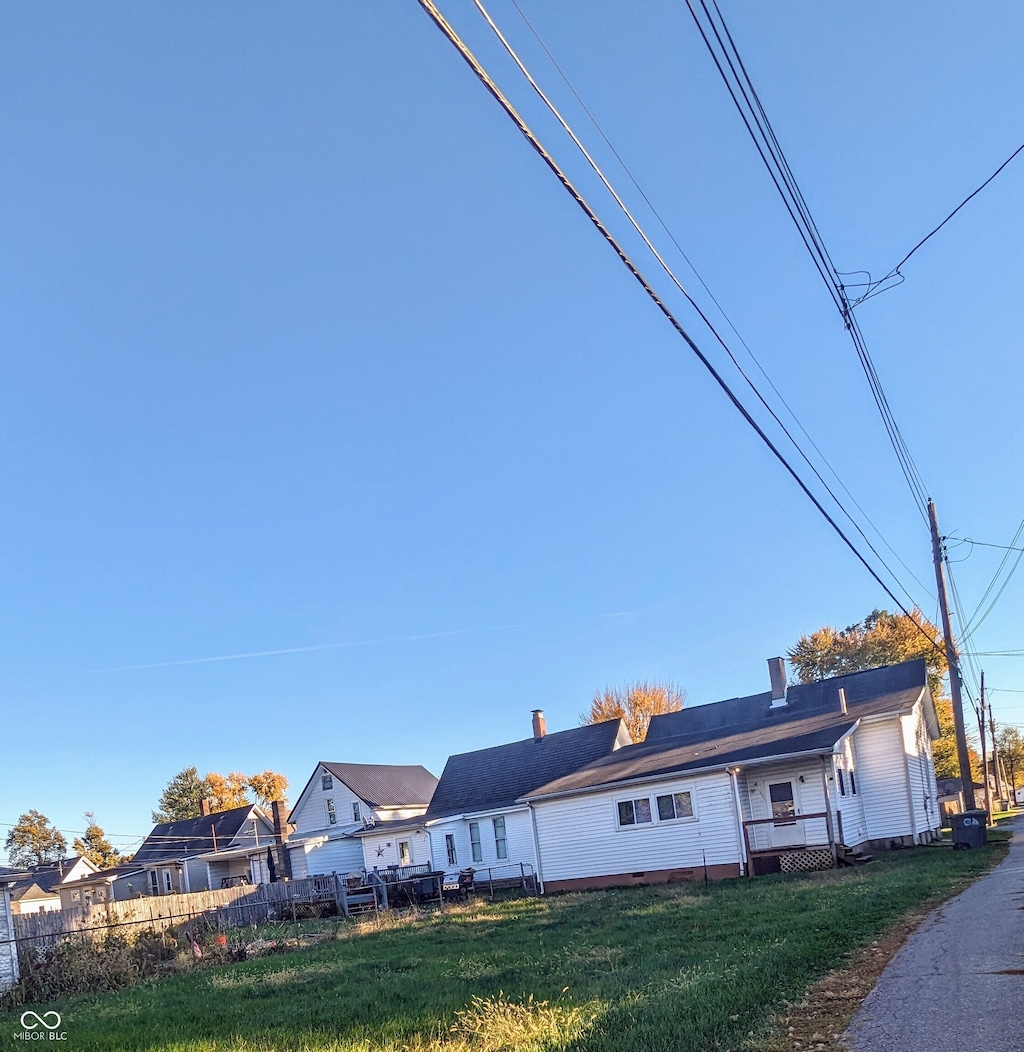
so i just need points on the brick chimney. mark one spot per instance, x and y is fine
(540, 726)
(278, 810)
(204, 808)
(777, 671)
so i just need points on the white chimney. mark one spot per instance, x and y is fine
(777, 671)
(540, 727)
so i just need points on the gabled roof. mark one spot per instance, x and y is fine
(741, 731)
(497, 777)
(705, 722)
(47, 877)
(105, 876)
(385, 784)
(194, 836)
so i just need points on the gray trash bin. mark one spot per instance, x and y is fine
(970, 830)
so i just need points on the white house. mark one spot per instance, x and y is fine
(10, 973)
(39, 891)
(788, 779)
(476, 817)
(341, 799)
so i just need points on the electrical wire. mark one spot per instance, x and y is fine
(553, 110)
(977, 621)
(664, 226)
(489, 84)
(755, 118)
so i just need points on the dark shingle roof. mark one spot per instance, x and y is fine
(705, 722)
(191, 836)
(386, 785)
(46, 877)
(497, 777)
(726, 735)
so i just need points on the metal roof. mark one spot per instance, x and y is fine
(386, 785)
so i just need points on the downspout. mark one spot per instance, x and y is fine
(741, 841)
(910, 791)
(536, 849)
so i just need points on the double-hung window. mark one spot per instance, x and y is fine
(449, 844)
(476, 847)
(355, 811)
(332, 814)
(500, 837)
(326, 782)
(404, 853)
(635, 812)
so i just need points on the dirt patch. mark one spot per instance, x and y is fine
(818, 1022)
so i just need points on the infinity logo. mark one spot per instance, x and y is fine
(40, 1020)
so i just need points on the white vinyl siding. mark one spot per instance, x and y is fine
(808, 799)
(921, 771)
(381, 849)
(338, 855)
(580, 836)
(518, 840)
(882, 779)
(310, 814)
(850, 806)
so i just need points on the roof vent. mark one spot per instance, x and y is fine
(777, 671)
(540, 726)
(843, 707)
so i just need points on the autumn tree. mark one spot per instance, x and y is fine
(635, 703)
(886, 639)
(34, 841)
(183, 797)
(1010, 743)
(268, 786)
(95, 846)
(227, 791)
(880, 639)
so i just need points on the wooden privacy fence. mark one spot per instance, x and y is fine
(225, 907)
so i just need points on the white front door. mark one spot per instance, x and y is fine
(786, 830)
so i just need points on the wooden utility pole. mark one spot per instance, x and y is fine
(984, 749)
(953, 661)
(995, 748)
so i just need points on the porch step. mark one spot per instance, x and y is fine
(846, 856)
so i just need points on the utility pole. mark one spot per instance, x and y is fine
(953, 661)
(995, 748)
(984, 750)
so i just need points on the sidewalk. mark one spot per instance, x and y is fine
(957, 982)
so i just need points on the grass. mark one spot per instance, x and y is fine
(681, 968)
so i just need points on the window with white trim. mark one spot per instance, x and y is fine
(356, 817)
(475, 846)
(675, 805)
(500, 837)
(404, 853)
(332, 814)
(634, 812)
(326, 782)
(449, 843)
(842, 783)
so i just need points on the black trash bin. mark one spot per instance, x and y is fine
(970, 829)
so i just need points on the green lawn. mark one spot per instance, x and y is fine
(674, 968)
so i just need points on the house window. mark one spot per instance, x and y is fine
(168, 886)
(449, 843)
(500, 838)
(853, 784)
(476, 848)
(634, 812)
(842, 784)
(154, 882)
(783, 803)
(332, 815)
(675, 805)
(355, 811)
(326, 782)
(404, 854)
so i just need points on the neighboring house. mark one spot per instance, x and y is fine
(783, 779)
(476, 817)
(40, 891)
(339, 800)
(9, 970)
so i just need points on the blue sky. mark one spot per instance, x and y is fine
(304, 351)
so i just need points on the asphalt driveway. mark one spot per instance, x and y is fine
(958, 981)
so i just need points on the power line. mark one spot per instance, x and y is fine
(485, 79)
(755, 118)
(657, 215)
(675, 280)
